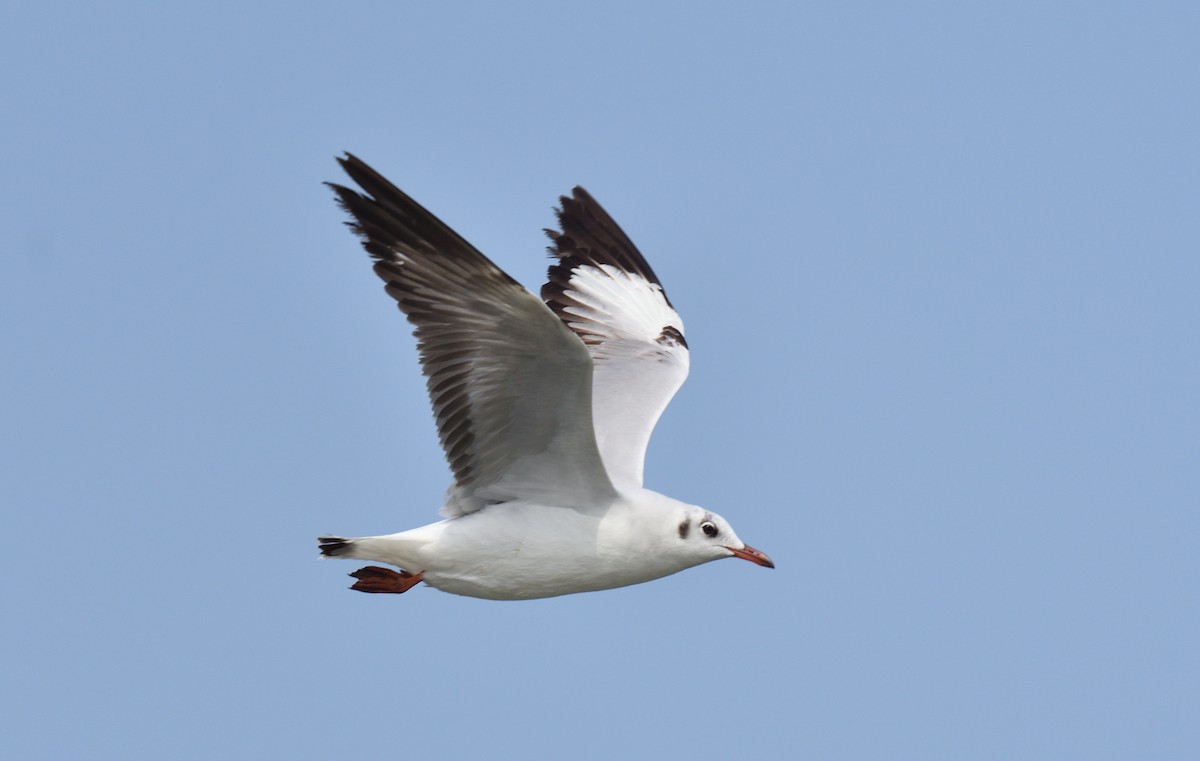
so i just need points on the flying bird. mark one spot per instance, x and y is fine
(544, 408)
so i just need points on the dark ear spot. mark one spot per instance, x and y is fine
(683, 529)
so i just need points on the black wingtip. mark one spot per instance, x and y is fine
(347, 159)
(587, 234)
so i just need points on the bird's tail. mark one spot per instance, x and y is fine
(401, 549)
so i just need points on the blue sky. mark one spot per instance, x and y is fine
(938, 265)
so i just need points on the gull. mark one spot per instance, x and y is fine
(544, 408)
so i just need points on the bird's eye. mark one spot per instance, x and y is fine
(709, 528)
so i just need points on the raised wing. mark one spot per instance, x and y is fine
(604, 290)
(510, 384)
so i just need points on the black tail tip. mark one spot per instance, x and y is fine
(332, 546)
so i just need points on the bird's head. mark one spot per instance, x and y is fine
(707, 536)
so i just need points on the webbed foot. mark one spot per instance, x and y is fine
(378, 580)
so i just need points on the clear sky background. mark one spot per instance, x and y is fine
(939, 267)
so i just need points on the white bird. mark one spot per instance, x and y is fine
(544, 409)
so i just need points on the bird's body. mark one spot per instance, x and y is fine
(544, 410)
(521, 550)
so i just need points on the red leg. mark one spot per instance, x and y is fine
(384, 580)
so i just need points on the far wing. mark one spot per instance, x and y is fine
(510, 385)
(604, 290)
